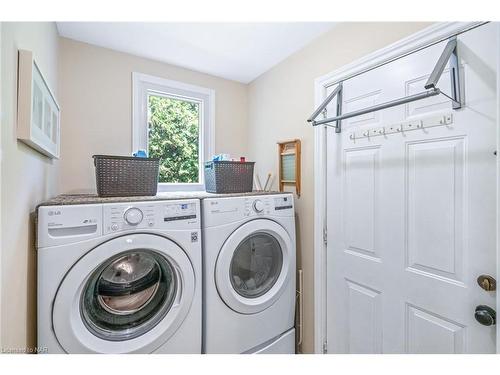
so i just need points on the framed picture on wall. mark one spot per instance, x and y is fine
(38, 114)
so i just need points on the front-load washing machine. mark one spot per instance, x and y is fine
(249, 274)
(120, 277)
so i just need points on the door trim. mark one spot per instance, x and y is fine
(1, 164)
(498, 177)
(430, 35)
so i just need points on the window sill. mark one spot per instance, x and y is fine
(166, 187)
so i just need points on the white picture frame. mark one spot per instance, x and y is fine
(38, 113)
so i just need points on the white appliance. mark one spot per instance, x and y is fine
(249, 274)
(120, 277)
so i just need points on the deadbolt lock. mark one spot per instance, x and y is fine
(487, 282)
(485, 315)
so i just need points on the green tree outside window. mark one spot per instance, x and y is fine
(173, 126)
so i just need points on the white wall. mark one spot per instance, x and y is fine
(27, 178)
(96, 99)
(280, 101)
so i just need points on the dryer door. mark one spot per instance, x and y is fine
(254, 266)
(127, 295)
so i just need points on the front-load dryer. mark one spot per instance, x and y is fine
(249, 274)
(120, 277)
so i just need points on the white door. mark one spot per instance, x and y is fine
(412, 214)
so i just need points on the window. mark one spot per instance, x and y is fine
(174, 122)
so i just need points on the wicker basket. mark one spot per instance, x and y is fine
(228, 176)
(124, 176)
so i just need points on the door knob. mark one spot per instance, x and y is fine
(487, 282)
(485, 315)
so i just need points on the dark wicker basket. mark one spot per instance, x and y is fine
(125, 176)
(228, 176)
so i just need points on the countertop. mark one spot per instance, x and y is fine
(71, 199)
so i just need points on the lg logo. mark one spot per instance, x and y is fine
(54, 213)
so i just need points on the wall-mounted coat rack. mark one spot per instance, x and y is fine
(449, 54)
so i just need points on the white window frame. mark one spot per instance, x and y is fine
(142, 86)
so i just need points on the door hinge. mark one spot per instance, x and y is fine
(325, 236)
(325, 347)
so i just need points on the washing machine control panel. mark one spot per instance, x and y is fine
(179, 211)
(151, 215)
(59, 225)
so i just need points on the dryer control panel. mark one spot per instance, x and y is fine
(218, 211)
(284, 202)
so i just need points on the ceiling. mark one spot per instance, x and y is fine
(235, 51)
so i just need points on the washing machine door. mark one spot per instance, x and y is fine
(254, 266)
(127, 295)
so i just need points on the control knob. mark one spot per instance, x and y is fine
(133, 216)
(258, 206)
